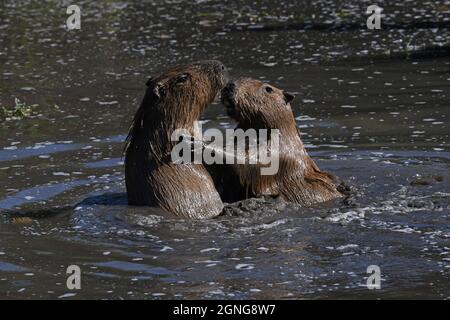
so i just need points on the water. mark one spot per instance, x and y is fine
(373, 107)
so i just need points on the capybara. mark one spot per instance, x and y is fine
(174, 99)
(257, 105)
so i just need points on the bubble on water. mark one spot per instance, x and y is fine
(137, 259)
(346, 217)
(269, 64)
(305, 118)
(67, 295)
(65, 174)
(107, 103)
(158, 294)
(28, 89)
(208, 261)
(216, 292)
(210, 249)
(166, 248)
(347, 246)
(245, 266)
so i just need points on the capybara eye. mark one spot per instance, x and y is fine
(183, 78)
(269, 89)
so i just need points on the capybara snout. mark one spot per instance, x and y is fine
(253, 102)
(227, 96)
(216, 71)
(183, 83)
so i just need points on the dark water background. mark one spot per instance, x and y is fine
(373, 107)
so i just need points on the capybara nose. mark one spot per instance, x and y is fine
(288, 97)
(216, 64)
(223, 70)
(230, 86)
(227, 94)
(212, 65)
(228, 91)
(220, 65)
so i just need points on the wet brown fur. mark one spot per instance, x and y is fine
(174, 99)
(298, 179)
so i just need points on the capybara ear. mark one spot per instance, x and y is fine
(288, 96)
(159, 90)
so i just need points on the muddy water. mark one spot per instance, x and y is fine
(373, 107)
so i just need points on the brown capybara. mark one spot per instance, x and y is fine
(174, 99)
(258, 105)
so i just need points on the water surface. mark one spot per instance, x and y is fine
(373, 107)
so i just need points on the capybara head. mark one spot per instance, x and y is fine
(256, 104)
(192, 85)
(175, 99)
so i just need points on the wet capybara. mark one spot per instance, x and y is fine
(174, 99)
(258, 105)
